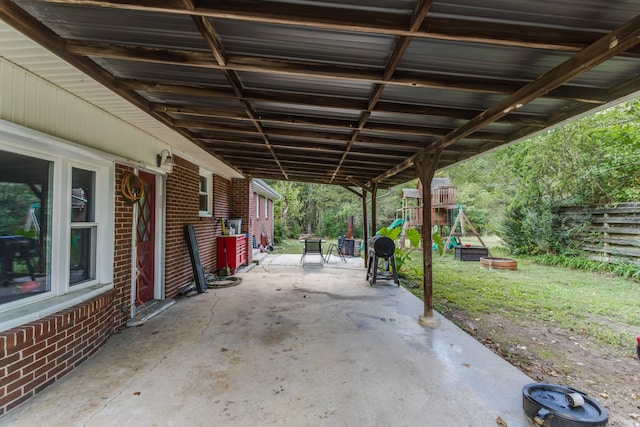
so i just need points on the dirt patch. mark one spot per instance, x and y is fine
(549, 354)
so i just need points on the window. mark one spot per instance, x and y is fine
(266, 208)
(56, 225)
(205, 194)
(82, 246)
(26, 200)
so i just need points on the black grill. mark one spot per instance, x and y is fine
(382, 246)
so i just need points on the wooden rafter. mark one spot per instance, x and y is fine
(321, 70)
(418, 15)
(619, 40)
(503, 34)
(345, 115)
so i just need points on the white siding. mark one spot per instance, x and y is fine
(29, 101)
(40, 91)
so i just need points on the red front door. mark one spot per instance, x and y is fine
(145, 240)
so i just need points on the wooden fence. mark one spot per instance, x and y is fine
(612, 232)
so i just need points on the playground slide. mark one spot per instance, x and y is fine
(396, 223)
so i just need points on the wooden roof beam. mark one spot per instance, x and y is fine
(418, 15)
(319, 101)
(318, 70)
(619, 40)
(393, 24)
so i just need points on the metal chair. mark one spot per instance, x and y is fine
(339, 248)
(312, 247)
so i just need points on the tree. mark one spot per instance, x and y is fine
(590, 161)
(511, 191)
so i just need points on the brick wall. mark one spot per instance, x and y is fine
(243, 206)
(263, 224)
(39, 353)
(182, 209)
(35, 355)
(221, 192)
(123, 248)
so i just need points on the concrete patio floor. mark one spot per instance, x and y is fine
(289, 346)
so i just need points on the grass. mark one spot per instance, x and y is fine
(602, 308)
(295, 246)
(288, 246)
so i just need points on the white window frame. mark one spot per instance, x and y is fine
(93, 225)
(65, 156)
(208, 193)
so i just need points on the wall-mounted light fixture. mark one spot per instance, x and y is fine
(168, 161)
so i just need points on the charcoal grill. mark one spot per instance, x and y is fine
(381, 248)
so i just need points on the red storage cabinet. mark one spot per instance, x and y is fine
(235, 248)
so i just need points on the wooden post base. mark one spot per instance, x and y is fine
(430, 321)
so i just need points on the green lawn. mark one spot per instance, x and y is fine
(295, 246)
(606, 309)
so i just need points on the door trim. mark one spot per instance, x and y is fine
(159, 286)
(160, 226)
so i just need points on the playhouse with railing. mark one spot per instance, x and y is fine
(443, 205)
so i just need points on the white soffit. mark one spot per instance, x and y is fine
(25, 53)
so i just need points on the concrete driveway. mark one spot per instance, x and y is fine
(289, 346)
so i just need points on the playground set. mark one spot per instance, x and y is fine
(446, 213)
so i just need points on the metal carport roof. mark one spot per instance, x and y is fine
(347, 92)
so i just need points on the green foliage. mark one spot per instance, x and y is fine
(604, 309)
(314, 209)
(575, 261)
(514, 191)
(15, 201)
(536, 231)
(324, 210)
(413, 236)
(392, 233)
(436, 238)
(412, 240)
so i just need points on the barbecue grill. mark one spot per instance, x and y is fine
(381, 248)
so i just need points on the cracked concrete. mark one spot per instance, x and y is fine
(289, 346)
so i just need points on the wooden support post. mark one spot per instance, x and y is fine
(426, 166)
(365, 225)
(374, 208)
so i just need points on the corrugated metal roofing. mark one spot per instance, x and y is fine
(346, 92)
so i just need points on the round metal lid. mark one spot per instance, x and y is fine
(551, 405)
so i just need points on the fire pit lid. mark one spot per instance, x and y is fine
(549, 406)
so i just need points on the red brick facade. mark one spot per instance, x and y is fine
(39, 353)
(35, 355)
(123, 247)
(182, 209)
(241, 200)
(263, 221)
